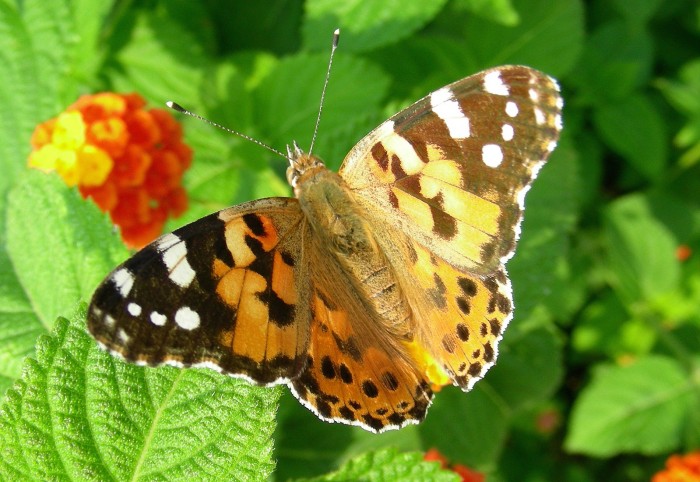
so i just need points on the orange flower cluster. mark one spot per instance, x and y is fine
(129, 160)
(467, 474)
(680, 468)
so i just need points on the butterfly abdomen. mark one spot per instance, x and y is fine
(343, 233)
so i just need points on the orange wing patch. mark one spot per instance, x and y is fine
(463, 315)
(264, 286)
(355, 378)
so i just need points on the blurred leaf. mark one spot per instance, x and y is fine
(597, 333)
(616, 60)
(364, 24)
(640, 11)
(635, 129)
(551, 208)
(637, 408)
(58, 261)
(272, 25)
(499, 11)
(549, 37)
(641, 250)
(388, 465)
(28, 92)
(161, 61)
(684, 95)
(287, 103)
(19, 325)
(528, 370)
(77, 411)
(469, 428)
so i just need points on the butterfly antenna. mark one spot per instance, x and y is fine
(336, 37)
(177, 107)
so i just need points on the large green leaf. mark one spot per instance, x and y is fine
(388, 466)
(365, 24)
(642, 407)
(78, 412)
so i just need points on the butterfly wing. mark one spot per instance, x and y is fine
(451, 171)
(356, 373)
(223, 292)
(444, 183)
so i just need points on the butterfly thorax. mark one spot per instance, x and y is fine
(341, 230)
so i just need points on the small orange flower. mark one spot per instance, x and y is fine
(128, 160)
(467, 474)
(683, 252)
(680, 468)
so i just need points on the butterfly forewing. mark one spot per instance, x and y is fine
(451, 171)
(221, 292)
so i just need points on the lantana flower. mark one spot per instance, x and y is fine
(465, 473)
(680, 468)
(129, 160)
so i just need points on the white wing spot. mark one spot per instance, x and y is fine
(174, 254)
(551, 146)
(394, 143)
(124, 280)
(493, 84)
(557, 122)
(187, 318)
(492, 155)
(158, 319)
(559, 103)
(539, 116)
(166, 241)
(507, 132)
(447, 108)
(511, 108)
(123, 337)
(534, 95)
(109, 321)
(133, 309)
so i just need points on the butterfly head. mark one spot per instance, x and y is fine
(300, 165)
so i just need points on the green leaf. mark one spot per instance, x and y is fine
(684, 96)
(22, 96)
(60, 245)
(642, 407)
(162, 61)
(499, 11)
(617, 59)
(638, 12)
(365, 24)
(549, 37)
(635, 129)
(19, 325)
(469, 428)
(641, 250)
(551, 212)
(286, 103)
(386, 466)
(79, 412)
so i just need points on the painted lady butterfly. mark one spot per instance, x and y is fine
(372, 287)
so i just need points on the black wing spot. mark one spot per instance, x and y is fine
(370, 389)
(254, 223)
(327, 368)
(462, 332)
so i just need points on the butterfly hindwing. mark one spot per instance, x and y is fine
(222, 292)
(356, 373)
(451, 171)
(462, 315)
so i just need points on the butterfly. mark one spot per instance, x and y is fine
(374, 286)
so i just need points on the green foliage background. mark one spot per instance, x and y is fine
(599, 374)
